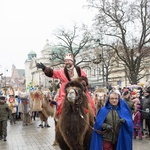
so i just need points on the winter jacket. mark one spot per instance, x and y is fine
(137, 120)
(130, 103)
(146, 108)
(113, 120)
(4, 111)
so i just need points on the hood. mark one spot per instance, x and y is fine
(109, 106)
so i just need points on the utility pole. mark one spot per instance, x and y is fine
(97, 61)
(5, 88)
(102, 61)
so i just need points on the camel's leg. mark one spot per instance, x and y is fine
(55, 141)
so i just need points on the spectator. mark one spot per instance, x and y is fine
(135, 97)
(4, 112)
(126, 95)
(146, 108)
(136, 116)
(18, 113)
(12, 103)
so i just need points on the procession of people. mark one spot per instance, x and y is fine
(124, 117)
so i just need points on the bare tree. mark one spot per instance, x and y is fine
(108, 60)
(125, 28)
(72, 41)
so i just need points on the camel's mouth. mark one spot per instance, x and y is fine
(71, 96)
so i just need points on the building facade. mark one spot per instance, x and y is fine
(16, 82)
(94, 68)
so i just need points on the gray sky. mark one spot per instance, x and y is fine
(26, 24)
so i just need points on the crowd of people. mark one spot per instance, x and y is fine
(138, 100)
(125, 115)
(126, 112)
(13, 108)
(121, 105)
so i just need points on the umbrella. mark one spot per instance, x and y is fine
(134, 86)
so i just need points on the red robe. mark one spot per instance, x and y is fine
(64, 78)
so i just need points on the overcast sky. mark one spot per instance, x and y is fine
(26, 24)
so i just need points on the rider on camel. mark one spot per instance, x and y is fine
(66, 74)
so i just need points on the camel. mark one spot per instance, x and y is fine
(44, 105)
(74, 127)
(99, 98)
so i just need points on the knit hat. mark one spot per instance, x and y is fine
(69, 56)
(114, 91)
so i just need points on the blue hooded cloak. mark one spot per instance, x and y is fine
(124, 141)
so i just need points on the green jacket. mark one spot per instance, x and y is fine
(112, 119)
(4, 111)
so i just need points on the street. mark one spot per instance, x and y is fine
(33, 137)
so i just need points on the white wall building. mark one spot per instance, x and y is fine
(35, 77)
(94, 71)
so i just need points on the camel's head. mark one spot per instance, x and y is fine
(36, 95)
(100, 97)
(74, 91)
(47, 96)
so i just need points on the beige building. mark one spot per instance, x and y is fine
(93, 68)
